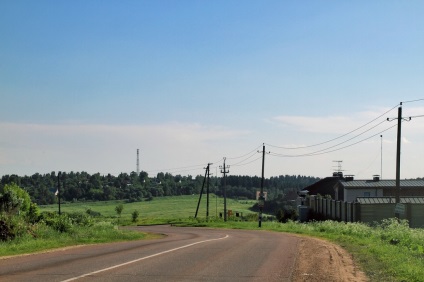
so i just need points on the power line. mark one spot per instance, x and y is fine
(247, 163)
(413, 101)
(341, 136)
(320, 152)
(251, 155)
(254, 150)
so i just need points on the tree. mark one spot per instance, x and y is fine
(135, 215)
(14, 199)
(119, 208)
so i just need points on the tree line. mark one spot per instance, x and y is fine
(82, 186)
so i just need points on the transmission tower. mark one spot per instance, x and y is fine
(138, 162)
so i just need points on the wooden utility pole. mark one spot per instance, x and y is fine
(225, 171)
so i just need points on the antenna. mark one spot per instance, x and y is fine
(138, 162)
(339, 166)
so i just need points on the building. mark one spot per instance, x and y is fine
(348, 189)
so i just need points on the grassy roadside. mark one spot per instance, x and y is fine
(44, 238)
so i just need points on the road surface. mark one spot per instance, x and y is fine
(185, 254)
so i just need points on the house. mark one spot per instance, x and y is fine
(376, 187)
(348, 189)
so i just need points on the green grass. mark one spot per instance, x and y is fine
(387, 252)
(47, 238)
(159, 210)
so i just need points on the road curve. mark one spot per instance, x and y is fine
(185, 254)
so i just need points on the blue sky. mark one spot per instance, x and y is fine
(83, 84)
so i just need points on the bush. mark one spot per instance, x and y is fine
(81, 219)
(135, 215)
(61, 223)
(284, 215)
(11, 227)
(92, 213)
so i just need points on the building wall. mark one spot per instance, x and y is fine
(416, 215)
(350, 194)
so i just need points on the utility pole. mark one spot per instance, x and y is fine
(225, 171)
(399, 133)
(58, 189)
(261, 201)
(399, 136)
(207, 193)
(201, 193)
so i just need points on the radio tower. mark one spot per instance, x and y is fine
(138, 163)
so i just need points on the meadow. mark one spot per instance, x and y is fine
(159, 210)
(386, 251)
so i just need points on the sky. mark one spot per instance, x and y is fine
(84, 84)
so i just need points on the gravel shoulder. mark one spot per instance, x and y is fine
(320, 260)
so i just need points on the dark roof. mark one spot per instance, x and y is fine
(381, 183)
(326, 184)
(387, 200)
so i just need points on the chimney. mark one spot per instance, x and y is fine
(349, 178)
(376, 178)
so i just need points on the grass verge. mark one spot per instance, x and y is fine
(45, 238)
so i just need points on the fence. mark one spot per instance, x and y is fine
(368, 210)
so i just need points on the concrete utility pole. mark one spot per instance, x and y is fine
(399, 137)
(225, 171)
(201, 192)
(207, 193)
(261, 195)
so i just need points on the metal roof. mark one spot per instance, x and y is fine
(381, 183)
(386, 200)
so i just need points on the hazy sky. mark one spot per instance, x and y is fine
(84, 84)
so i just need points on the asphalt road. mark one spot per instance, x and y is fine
(185, 254)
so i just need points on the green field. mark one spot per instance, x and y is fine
(159, 210)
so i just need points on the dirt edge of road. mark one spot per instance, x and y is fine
(320, 260)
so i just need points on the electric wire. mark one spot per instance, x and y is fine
(350, 138)
(338, 149)
(341, 136)
(254, 150)
(413, 101)
(248, 162)
(252, 154)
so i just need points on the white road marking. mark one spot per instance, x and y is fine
(139, 259)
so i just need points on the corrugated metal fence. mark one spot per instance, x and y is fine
(368, 210)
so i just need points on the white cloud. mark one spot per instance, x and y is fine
(31, 148)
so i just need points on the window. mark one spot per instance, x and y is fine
(367, 194)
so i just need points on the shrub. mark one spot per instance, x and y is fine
(135, 215)
(11, 227)
(81, 219)
(61, 223)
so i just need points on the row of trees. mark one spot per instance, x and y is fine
(82, 186)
